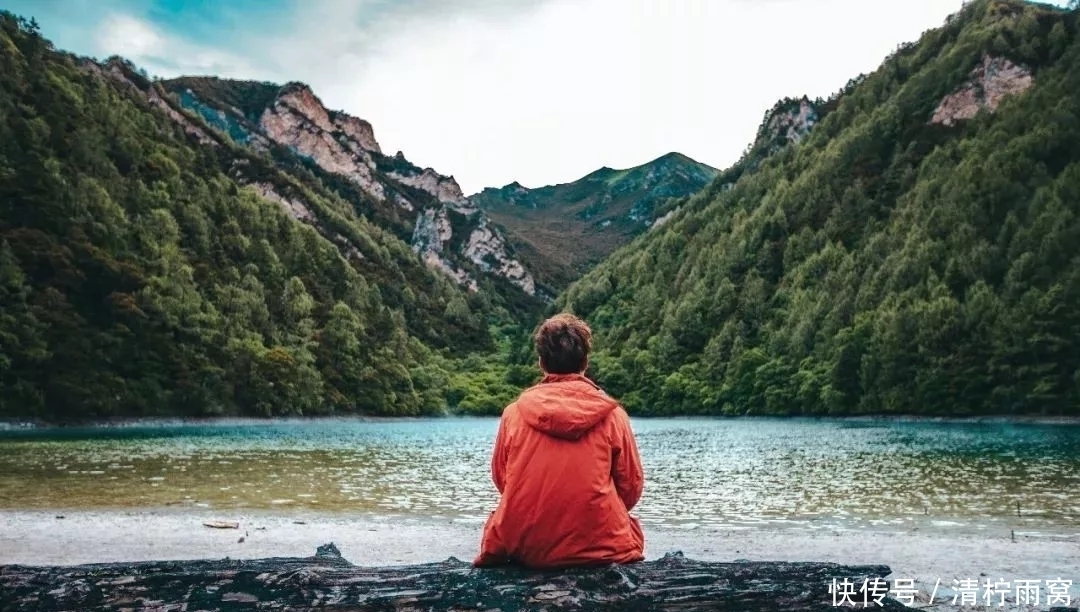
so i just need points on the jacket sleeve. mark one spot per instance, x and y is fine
(498, 454)
(626, 470)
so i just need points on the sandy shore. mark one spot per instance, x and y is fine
(925, 554)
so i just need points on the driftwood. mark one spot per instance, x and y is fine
(327, 581)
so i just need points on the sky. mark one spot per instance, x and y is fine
(534, 91)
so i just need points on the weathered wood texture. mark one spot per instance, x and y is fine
(329, 582)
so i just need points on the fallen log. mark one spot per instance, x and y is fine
(329, 582)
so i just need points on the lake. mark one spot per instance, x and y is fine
(736, 473)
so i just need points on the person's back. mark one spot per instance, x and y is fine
(567, 467)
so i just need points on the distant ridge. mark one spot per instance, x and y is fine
(566, 228)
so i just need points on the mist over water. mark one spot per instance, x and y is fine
(733, 472)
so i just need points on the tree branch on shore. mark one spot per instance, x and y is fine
(328, 581)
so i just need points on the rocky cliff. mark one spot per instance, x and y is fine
(295, 127)
(990, 82)
(790, 122)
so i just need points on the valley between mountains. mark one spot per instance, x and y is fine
(202, 246)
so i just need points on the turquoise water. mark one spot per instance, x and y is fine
(733, 472)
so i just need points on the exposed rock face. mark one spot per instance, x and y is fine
(297, 209)
(403, 202)
(794, 123)
(432, 231)
(486, 249)
(462, 277)
(430, 237)
(294, 118)
(358, 130)
(344, 145)
(444, 188)
(990, 82)
(664, 219)
(348, 247)
(298, 120)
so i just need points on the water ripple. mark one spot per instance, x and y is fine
(736, 472)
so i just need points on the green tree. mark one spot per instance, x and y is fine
(22, 346)
(883, 264)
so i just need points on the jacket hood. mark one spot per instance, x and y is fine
(565, 406)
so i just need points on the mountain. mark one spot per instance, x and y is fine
(565, 229)
(291, 125)
(906, 246)
(158, 257)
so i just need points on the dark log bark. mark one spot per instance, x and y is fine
(329, 582)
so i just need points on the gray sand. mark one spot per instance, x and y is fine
(925, 554)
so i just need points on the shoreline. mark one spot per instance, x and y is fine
(938, 525)
(924, 554)
(120, 423)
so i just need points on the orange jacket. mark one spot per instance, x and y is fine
(567, 467)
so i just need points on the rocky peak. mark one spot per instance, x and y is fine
(445, 189)
(357, 129)
(791, 120)
(672, 159)
(297, 119)
(990, 81)
(299, 98)
(293, 117)
(344, 145)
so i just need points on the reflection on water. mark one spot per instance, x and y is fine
(698, 471)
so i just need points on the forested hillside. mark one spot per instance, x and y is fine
(206, 247)
(290, 125)
(150, 266)
(916, 252)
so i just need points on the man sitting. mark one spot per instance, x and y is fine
(566, 465)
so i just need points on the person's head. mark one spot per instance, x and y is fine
(563, 342)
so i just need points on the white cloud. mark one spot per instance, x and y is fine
(130, 37)
(573, 86)
(547, 91)
(161, 54)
